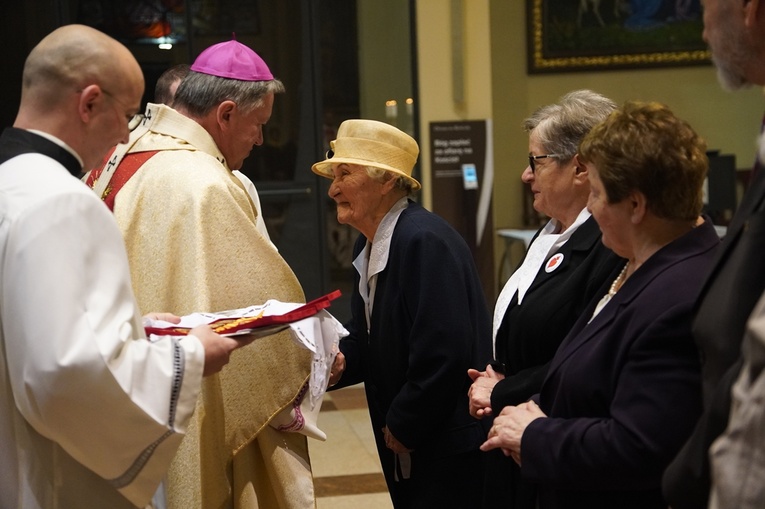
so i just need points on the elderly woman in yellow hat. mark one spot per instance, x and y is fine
(419, 320)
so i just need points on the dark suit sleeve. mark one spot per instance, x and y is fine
(437, 282)
(517, 388)
(652, 397)
(686, 482)
(355, 367)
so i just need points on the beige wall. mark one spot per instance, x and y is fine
(384, 59)
(434, 44)
(498, 87)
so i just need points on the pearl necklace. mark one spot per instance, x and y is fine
(618, 282)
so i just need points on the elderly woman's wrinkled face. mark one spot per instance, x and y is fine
(551, 182)
(357, 195)
(612, 218)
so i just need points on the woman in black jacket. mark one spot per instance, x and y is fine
(563, 267)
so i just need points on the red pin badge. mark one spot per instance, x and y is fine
(554, 262)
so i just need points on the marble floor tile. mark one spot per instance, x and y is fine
(346, 467)
(346, 450)
(372, 501)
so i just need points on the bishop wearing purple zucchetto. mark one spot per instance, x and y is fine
(195, 242)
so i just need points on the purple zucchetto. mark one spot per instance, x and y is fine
(233, 60)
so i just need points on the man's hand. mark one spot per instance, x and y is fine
(165, 317)
(217, 348)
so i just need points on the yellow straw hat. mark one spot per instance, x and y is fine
(371, 143)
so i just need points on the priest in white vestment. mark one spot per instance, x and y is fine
(91, 412)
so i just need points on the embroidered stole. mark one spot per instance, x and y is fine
(119, 177)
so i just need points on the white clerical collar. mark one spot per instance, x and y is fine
(60, 143)
(170, 122)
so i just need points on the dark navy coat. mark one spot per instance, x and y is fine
(528, 338)
(623, 392)
(429, 325)
(530, 333)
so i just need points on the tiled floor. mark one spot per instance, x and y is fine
(346, 468)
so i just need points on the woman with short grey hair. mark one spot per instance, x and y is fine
(562, 269)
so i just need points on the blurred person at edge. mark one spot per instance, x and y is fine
(168, 82)
(564, 266)
(419, 320)
(196, 242)
(728, 328)
(84, 395)
(622, 392)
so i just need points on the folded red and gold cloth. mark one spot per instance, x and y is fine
(261, 320)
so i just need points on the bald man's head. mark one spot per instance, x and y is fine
(74, 56)
(81, 86)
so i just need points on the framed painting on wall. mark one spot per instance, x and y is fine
(586, 35)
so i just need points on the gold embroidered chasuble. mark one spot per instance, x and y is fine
(190, 233)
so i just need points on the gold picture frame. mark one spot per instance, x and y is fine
(586, 35)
